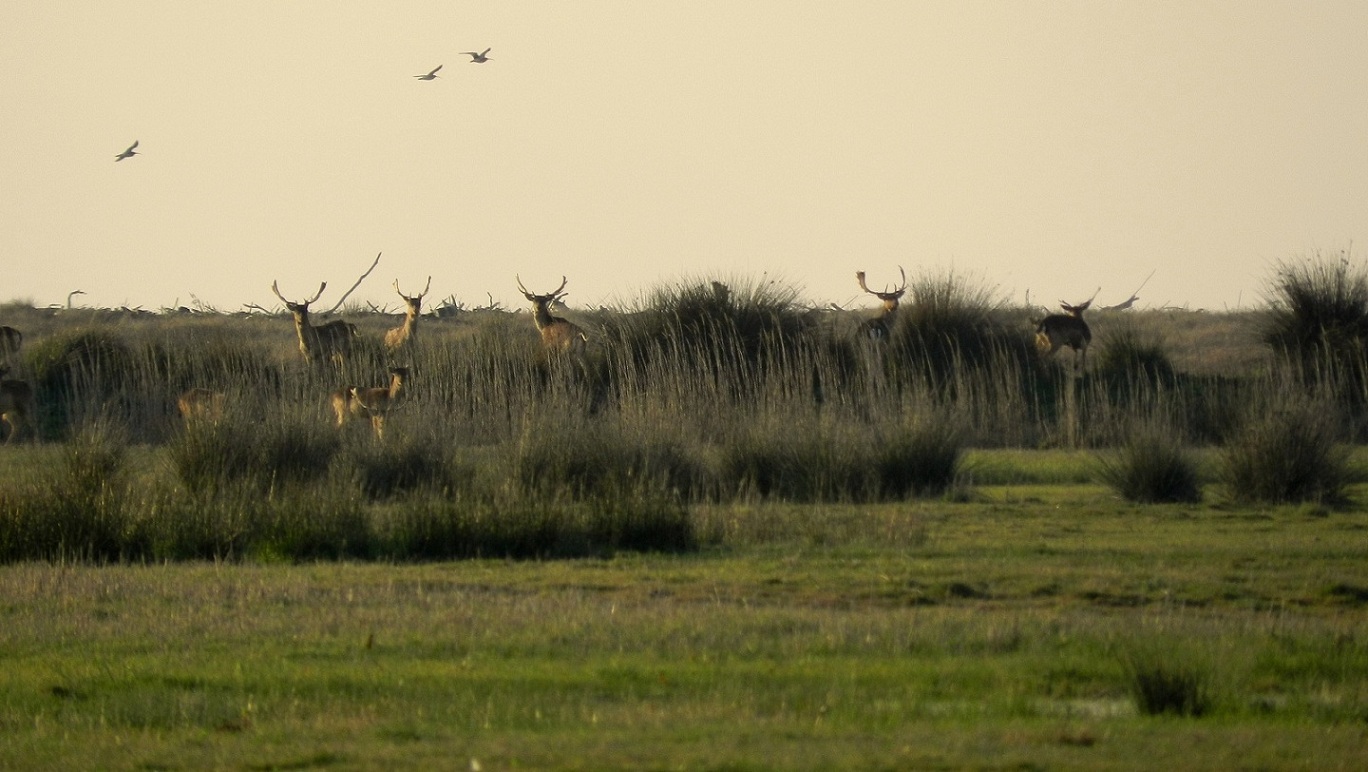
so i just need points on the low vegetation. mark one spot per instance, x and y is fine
(717, 530)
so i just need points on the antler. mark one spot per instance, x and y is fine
(525, 291)
(275, 287)
(860, 277)
(564, 281)
(419, 296)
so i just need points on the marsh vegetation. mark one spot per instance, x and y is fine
(935, 547)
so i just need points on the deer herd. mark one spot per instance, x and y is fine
(332, 342)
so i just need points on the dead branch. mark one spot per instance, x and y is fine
(1125, 305)
(343, 299)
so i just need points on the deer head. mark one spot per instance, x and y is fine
(889, 297)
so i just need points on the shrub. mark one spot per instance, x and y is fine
(1151, 466)
(1290, 453)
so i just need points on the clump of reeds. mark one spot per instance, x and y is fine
(1151, 466)
(1290, 452)
(1168, 682)
(282, 448)
(78, 510)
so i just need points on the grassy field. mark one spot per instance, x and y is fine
(731, 533)
(1007, 631)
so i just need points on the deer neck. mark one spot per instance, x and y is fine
(308, 336)
(396, 386)
(541, 316)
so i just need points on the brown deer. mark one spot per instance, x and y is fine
(881, 327)
(16, 404)
(1067, 329)
(375, 402)
(325, 342)
(196, 405)
(401, 336)
(11, 340)
(557, 334)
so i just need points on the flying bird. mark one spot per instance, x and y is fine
(129, 153)
(479, 58)
(431, 75)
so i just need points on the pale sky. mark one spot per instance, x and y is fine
(1053, 147)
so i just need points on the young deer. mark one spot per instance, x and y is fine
(16, 403)
(401, 336)
(375, 402)
(331, 341)
(204, 405)
(557, 334)
(1067, 329)
(881, 326)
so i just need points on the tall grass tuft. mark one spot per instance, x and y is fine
(1289, 453)
(1318, 321)
(1128, 357)
(1163, 682)
(78, 375)
(285, 448)
(1151, 466)
(78, 510)
(523, 525)
(407, 464)
(841, 461)
(952, 324)
(729, 322)
(1319, 308)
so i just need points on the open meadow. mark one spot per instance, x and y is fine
(714, 531)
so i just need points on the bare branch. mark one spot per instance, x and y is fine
(346, 294)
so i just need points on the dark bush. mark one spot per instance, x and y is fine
(1289, 453)
(1151, 466)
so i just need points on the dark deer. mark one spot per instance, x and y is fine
(16, 404)
(557, 334)
(881, 326)
(11, 340)
(1067, 329)
(402, 336)
(331, 341)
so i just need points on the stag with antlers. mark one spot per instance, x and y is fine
(1067, 329)
(16, 403)
(375, 403)
(557, 334)
(881, 327)
(406, 334)
(325, 342)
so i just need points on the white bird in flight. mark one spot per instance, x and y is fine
(479, 58)
(431, 75)
(129, 153)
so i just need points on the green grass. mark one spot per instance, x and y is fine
(1002, 631)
